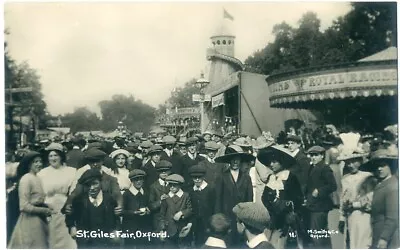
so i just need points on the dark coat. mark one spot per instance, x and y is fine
(277, 208)
(75, 158)
(132, 203)
(385, 213)
(175, 159)
(229, 193)
(213, 171)
(109, 185)
(152, 174)
(203, 204)
(321, 178)
(86, 217)
(187, 163)
(169, 207)
(155, 192)
(301, 169)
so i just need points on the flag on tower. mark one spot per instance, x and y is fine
(227, 15)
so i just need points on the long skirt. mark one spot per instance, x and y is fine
(360, 231)
(59, 237)
(31, 231)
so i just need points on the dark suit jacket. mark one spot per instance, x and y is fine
(169, 207)
(132, 203)
(321, 178)
(175, 159)
(187, 163)
(229, 193)
(75, 158)
(213, 171)
(155, 192)
(301, 169)
(109, 185)
(385, 213)
(152, 174)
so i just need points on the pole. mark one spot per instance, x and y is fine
(202, 116)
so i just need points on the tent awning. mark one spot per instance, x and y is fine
(361, 79)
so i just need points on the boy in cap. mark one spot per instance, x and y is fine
(252, 220)
(150, 167)
(176, 211)
(321, 183)
(170, 154)
(136, 211)
(213, 169)
(158, 192)
(109, 184)
(203, 202)
(218, 229)
(93, 212)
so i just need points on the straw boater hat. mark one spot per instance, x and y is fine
(233, 151)
(391, 157)
(276, 152)
(119, 151)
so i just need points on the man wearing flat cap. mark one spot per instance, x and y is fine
(145, 147)
(191, 158)
(321, 183)
(94, 210)
(109, 184)
(136, 212)
(154, 155)
(171, 155)
(252, 219)
(213, 169)
(75, 157)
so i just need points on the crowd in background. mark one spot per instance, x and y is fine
(206, 191)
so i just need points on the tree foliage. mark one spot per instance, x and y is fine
(182, 96)
(82, 119)
(368, 28)
(136, 115)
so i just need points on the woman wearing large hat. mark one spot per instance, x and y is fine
(385, 202)
(31, 230)
(282, 195)
(56, 180)
(233, 186)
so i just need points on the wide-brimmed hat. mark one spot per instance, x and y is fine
(242, 142)
(350, 148)
(294, 138)
(276, 152)
(191, 141)
(55, 146)
(261, 142)
(233, 151)
(391, 157)
(119, 151)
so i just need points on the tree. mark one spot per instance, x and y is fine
(136, 115)
(182, 97)
(82, 119)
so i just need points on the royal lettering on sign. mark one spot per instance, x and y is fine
(351, 79)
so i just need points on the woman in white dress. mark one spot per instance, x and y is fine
(57, 179)
(119, 170)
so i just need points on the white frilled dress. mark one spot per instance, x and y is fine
(56, 183)
(123, 179)
(31, 231)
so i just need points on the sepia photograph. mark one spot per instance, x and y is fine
(151, 125)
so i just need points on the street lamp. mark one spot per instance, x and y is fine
(201, 83)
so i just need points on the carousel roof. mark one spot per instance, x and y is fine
(387, 54)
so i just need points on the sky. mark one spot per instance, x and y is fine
(87, 52)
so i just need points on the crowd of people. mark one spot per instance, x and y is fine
(205, 191)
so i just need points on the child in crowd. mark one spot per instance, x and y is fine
(218, 229)
(93, 212)
(136, 211)
(176, 210)
(157, 193)
(203, 201)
